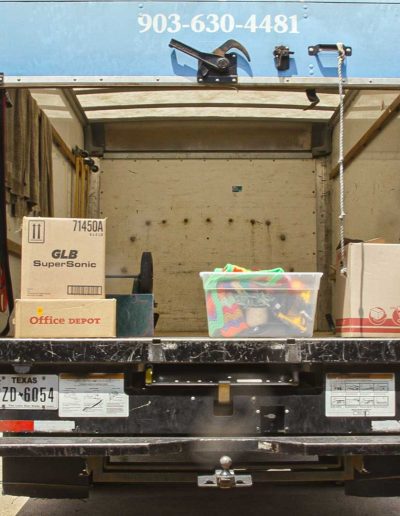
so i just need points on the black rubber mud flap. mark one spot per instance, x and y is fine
(373, 488)
(45, 477)
(379, 478)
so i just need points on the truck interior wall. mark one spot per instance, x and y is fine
(372, 180)
(62, 117)
(203, 135)
(198, 214)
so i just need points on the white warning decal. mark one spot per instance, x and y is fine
(360, 395)
(93, 395)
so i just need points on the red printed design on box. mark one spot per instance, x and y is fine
(396, 316)
(377, 315)
(363, 325)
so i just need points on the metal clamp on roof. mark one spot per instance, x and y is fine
(216, 67)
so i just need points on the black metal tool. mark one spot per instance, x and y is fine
(218, 66)
(314, 50)
(312, 97)
(143, 282)
(282, 57)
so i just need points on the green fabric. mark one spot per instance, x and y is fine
(243, 277)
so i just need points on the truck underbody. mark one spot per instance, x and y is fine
(194, 400)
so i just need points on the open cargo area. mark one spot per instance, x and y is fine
(256, 187)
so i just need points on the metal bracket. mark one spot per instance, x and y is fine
(225, 478)
(312, 97)
(214, 379)
(282, 57)
(314, 50)
(6, 94)
(224, 393)
(216, 67)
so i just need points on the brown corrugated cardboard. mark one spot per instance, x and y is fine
(65, 318)
(63, 258)
(367, 300)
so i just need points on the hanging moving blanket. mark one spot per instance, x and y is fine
(6, 292)
(29, 174)
(26, 175)
(46, 200)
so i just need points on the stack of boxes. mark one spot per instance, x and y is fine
(63, 280)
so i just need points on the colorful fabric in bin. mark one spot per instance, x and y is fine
(226, 316)
(242, 302)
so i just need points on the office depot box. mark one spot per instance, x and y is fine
(367, 300)
(260, 304)
(63, 258)
(65, 318)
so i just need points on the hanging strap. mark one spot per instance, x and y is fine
(342, 213)
(6, 290)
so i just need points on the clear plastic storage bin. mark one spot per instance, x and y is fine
(260, 304)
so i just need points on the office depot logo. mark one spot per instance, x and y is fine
(50, 320)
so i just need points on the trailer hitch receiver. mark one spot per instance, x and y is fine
(225, 478)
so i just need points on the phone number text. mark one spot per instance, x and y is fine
(212, 23)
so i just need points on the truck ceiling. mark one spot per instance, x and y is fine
(129, 104)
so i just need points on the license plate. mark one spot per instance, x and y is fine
(28, 392)
(360, 395)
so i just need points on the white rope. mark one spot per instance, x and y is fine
(342, 214)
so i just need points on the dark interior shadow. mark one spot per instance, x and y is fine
(328, 65)
(182, 70)
(292, 70)
(178, 500)
(244, 65)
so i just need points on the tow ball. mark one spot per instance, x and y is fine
(225, 478)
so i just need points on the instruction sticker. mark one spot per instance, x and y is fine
(360, 395)
(93, 395)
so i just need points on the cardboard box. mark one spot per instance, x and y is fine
(367, 301)
(63, 258)
(65, 318)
